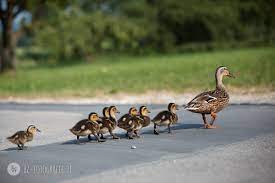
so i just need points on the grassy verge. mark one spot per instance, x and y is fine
(254, 68)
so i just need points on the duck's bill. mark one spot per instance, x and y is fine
(38, 130)
(118, 112)
(149, 111)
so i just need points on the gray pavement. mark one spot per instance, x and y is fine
(237, 123)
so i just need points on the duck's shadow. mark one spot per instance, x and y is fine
(175, 127)
(85, 140)
(15, 149)
(82, 141)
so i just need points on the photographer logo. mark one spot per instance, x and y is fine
(13, 169)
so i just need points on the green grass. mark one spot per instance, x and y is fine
(254, 68)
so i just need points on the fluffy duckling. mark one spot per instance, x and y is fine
(166, 118)
(109, 122)
(105, 113)
(21, 137)
(211, 102)
(144, 115)
(87, 127)
(129, 122)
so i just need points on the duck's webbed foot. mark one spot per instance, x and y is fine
(89, 137)
(130, 135)
(169, 129)
(77, 140)
(214, 116)
(136, 134)
(211, 126)
(98, 139)
(20, 147)
(102, 137)
(155, 130)
(113, 135)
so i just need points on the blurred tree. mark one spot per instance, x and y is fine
(9, 10)
(79, 29)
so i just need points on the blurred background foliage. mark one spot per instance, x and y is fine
(85, 28)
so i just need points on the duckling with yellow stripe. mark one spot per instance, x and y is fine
(130, 122)
(166, 118)
(108, 123)
(87, 127)
(144, 115)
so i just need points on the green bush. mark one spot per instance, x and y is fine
(86, 28)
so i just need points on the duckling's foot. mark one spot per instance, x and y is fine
(101, 141)
(130, 137)
(116, 137)
(156, 133)
(20, 147)
(136, 134)
(102, 137)
(89, 137)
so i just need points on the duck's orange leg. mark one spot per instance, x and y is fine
(214, 116)
(206, 125)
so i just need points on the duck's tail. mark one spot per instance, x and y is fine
(73, 131)
(10, 138)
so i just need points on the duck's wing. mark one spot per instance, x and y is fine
(162, 116)
(125, 121)
(202, 99)
(106, 122)
(145, 120)
(17, 137)
(81, 125)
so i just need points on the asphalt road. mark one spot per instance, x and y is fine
(66, 161)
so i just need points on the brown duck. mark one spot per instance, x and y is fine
(166, 118)
(211, 102)
(87, 127)
(21, 137)
(108, 123)
(130, 122)
(144, 115)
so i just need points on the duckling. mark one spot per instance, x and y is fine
(21, 137)
(142, 120)
(105, 115)
(109, 122)
(144, 115)
(87, 127)
(166, 118)
(129, 122)
(211, 102)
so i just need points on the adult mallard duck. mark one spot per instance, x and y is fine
(211, 102)
(108, 123)
(86, 127)
(21, 137)
(166, 118)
